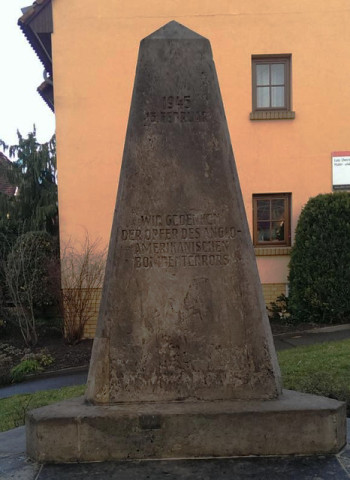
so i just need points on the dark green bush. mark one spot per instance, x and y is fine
(26, 367)
(278, 311)
(319, 275)
(31, 363)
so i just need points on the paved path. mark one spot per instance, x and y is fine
(15, 466)
(57, 380)
(311, 337)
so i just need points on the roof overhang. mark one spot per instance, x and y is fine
(45, 90)
(37, 25)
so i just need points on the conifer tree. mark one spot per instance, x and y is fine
(35, 206)
(28, 215)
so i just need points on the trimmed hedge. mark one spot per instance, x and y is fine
(319, 275)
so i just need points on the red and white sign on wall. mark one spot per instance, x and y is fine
(341, 170)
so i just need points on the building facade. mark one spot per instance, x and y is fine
(283, 70)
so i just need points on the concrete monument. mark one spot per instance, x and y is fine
(183, 363)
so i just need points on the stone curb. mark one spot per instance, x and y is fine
(332, 328)
(56, 373)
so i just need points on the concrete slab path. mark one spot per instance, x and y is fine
(15, 466)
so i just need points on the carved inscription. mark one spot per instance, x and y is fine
(175, 109)
(178, 240)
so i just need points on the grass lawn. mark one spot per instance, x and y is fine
(321, 369)
(13, 410)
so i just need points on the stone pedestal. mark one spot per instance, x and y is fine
(295, 423)
(183, 363)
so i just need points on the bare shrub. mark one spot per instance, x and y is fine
(82, 269)
(28, 280)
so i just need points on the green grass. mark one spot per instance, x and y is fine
(13, 409)
(320, 369)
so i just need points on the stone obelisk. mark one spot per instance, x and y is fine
(183, 363)
(182, 314)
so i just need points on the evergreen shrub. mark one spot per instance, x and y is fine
(319, 276)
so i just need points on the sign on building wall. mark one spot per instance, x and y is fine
(341, 170)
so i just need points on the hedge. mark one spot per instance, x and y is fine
(319, 277)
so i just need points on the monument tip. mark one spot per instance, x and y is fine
(174, 31)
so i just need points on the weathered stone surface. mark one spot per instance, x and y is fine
(295, 423)
(182, 313)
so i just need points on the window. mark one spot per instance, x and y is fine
(271, 216)
(271, 87)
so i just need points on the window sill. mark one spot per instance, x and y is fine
(272, 251)
(272, 115)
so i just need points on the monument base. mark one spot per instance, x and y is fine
(295, 423)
